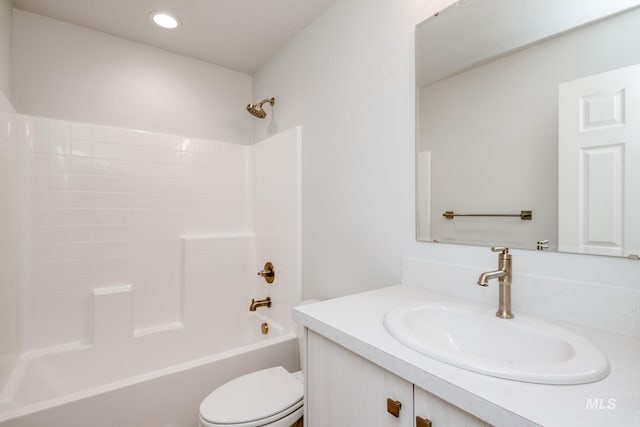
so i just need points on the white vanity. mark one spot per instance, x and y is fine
(357, 374)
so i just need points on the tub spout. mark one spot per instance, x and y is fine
(260, 303)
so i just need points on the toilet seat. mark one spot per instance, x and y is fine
(255, 399)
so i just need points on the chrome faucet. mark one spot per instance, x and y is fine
(503, 274)
(260, 303)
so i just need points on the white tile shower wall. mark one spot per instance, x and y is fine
(109, 208)
(14, 175)
(8, 299)
(277, 219)
(601, 306)
(6, 30)
(4, 225)
(218, 280)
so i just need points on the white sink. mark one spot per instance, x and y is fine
(472, 337)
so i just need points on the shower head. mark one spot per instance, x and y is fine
(256, 109)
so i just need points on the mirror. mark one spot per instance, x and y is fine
(530, 106)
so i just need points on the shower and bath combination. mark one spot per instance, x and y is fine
(256, 109)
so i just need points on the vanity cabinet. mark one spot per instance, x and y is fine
(346, 390)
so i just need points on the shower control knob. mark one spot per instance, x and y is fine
(268, 273)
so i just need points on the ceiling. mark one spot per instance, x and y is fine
(237, 34)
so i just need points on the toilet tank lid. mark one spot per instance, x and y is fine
(254, 396)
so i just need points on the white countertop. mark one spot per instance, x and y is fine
(356, 323)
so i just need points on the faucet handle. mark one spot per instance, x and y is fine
(500, 249)
(268, 273)
(542, 245)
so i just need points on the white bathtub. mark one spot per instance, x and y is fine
(157, 381)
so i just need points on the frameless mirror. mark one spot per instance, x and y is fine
(528, 125)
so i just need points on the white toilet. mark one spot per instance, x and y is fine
(271, 397)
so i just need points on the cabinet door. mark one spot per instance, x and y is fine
(345, 390)
(441, 413)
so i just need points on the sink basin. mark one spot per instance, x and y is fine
(472, 337)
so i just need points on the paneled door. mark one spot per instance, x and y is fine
(599, 164)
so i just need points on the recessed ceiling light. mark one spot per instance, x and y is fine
(164, 20)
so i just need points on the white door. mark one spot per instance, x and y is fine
(599, 164)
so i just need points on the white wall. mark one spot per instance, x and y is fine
(69, 72)
(6, 28)
(348, 79)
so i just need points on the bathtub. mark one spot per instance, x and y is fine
(152, 382)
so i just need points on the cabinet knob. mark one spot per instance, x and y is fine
(423, 422)
(393, 407)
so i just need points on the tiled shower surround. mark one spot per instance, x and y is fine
(109, 210)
